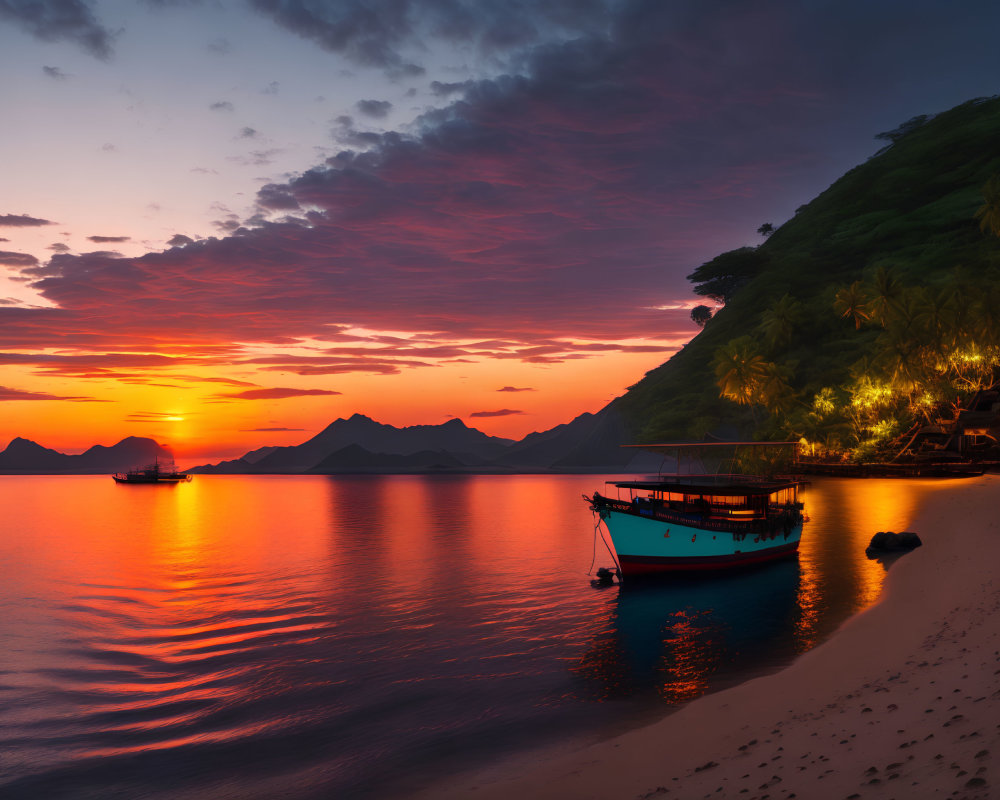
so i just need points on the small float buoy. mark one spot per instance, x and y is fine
(606, 576)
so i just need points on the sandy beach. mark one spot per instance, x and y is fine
(902, 702)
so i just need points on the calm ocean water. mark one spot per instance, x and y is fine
(316, 637)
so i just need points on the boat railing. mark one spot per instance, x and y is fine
(704, 517)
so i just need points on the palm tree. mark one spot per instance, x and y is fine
(739, 369)
(775, 392)
(852, 302)
(779, 321)
(989, 212)
(886, 293)
(936, 318)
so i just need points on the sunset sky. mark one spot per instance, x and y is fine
(224, 224)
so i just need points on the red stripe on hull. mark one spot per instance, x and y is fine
(650, 565)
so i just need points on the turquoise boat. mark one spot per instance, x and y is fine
(675, 523)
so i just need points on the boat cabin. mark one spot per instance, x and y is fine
(711, 498)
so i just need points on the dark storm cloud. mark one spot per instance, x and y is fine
(59, 20)
(22, 221)
(374, 108)
(386, 33)
(55, 73)
(9, 259)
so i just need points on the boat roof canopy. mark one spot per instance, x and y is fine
(718, 485)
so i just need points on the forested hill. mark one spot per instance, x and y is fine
(823, 301)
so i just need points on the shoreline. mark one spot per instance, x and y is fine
(902, 701)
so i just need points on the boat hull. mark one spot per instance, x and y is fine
(648, 546)
(168, 479)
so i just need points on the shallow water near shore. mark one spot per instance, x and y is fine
(254, 636)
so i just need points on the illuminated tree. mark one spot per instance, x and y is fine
(871, 403)
(739, 369)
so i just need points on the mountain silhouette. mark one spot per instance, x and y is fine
(453, 436)
(27, 457)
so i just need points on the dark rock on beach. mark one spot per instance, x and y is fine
(889, 542)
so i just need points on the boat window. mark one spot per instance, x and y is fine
(725, 500)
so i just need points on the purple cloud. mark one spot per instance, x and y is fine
(6, 394)
(269, 430)
(503, 412)
(22, 221)
(275, 394)
(9, 259)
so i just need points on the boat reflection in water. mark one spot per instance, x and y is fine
(682, 636)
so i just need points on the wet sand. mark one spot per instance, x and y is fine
(902, 702)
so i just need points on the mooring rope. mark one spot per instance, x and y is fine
(593, 560)
(610, 551)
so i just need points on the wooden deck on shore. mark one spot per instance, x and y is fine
(941, 469)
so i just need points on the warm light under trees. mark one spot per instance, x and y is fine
(935, 350)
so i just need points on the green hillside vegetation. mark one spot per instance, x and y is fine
(871, 313)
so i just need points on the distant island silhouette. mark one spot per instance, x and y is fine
(361, 445)
(25, 457)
